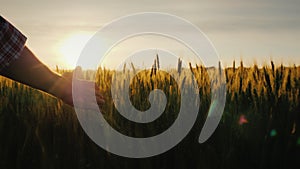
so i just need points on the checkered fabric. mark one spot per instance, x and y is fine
(12, 43)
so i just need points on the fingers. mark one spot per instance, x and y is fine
(99, 96)
(100, 101)
(87, 90)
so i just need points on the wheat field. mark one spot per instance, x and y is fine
(260, 127)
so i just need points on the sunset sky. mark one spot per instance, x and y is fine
(255, 31)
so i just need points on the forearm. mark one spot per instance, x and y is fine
(30, 71)
(27, 69)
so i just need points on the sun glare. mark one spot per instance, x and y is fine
(71, 47)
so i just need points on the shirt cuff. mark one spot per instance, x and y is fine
(12, 42)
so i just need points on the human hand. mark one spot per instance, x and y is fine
(62, 89)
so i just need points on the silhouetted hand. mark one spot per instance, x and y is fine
(84, 89)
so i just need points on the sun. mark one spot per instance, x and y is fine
(71, 47)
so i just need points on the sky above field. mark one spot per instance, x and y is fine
(254, 31)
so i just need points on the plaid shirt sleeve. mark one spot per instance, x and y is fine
(12, 43)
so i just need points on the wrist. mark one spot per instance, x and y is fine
(54, 86)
